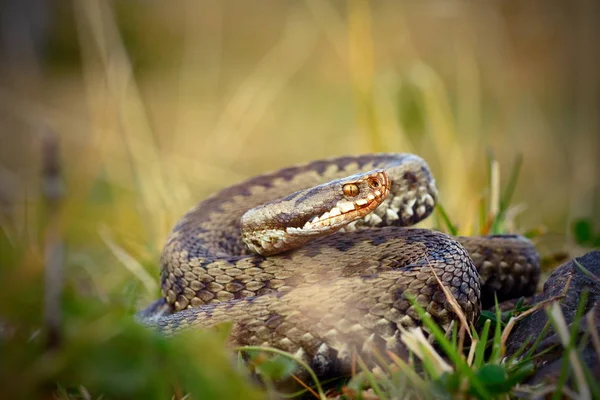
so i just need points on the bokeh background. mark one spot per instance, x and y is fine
(154, 105)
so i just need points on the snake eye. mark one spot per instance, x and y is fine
(374, 183)
(350, 189)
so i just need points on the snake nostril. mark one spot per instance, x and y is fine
(374, 183)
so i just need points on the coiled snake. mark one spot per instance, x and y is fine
(337, 262)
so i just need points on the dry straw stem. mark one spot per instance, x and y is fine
(362, 72)
(591, 323)
(454, 179)
(108, 145)
(550, 389)
(97, 20)
(513, 320)
(362, 395)
(472, 352)
(370, 377)
(331, 23)
(409, 372)
(305, 386)
(455, 306)
(260, 89)
(494, 202)
(375, 92)
(415, 341)
(494, 188)
(128, 261)
(160, 187)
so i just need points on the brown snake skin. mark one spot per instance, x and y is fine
(341, 294)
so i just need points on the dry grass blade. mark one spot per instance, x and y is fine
(128, 261)
(254, 97)
(98, 21)
(110, 144)
(510, 216)
(416, 342)
(361, 64)
(383, 366)
(586, 271)
(159, 184)
(472, 352)
(362, 395)
(494, 188)
(513, 320)
(547, 390)
(408, 371)
(305, 386)
(455, 306)
(592, 329)
(370, 377)
(330, 22)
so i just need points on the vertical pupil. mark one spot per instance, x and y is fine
(351, 190)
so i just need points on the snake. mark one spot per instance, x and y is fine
(321, 260)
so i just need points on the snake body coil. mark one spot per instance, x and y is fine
(334, 295)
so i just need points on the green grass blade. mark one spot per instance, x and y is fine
(370, 378)
(497, 342)
(512, 183)
(450, 351)
(481, 345)
(521, 349)
(452, 229)
(291, 356)
(409, 372)
(586, 271)
(571, 357)
(540, 337)
(482, 216)
(506, 197)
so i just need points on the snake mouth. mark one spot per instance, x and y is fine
(343, 213)
(374, 189)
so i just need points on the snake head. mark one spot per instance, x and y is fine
(413, 196)
(310, 213)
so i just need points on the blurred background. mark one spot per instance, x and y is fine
(154, 105)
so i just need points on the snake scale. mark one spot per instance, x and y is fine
(338, 261)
